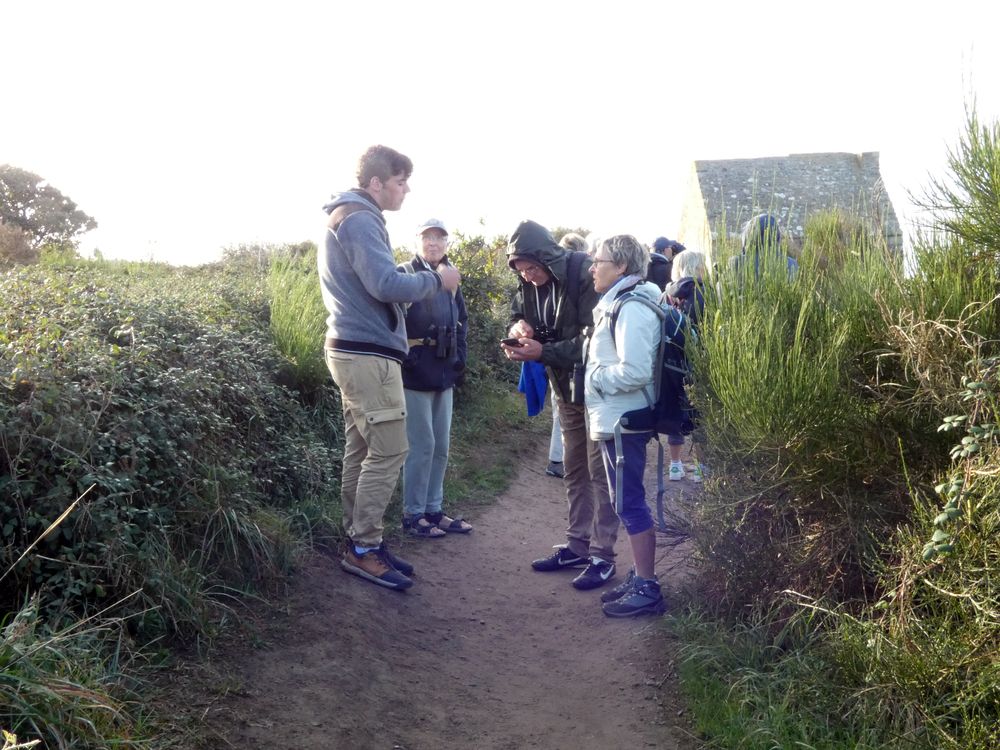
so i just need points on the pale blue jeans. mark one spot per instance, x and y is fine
(428, 430)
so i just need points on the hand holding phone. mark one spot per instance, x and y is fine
(512, 343)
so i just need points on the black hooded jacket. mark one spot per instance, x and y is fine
(566, 314)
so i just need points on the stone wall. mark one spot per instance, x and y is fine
(728, 192)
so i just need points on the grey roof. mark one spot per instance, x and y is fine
(794, 186)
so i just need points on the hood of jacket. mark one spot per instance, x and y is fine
(342, 205)
(531, 241)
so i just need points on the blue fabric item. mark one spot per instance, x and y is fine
(533, 384)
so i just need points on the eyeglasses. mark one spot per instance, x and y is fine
(531, 270)
(595, 261)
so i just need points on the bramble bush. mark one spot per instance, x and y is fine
(155, 386)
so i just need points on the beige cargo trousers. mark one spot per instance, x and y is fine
(375, 446)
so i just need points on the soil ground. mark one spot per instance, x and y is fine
(482, 652)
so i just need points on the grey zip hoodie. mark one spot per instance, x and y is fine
(361, 286)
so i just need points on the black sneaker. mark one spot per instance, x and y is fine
(558, 560)
(595, 575)
(396, 562)
(555, 469)
(644, 599)
(621, 589)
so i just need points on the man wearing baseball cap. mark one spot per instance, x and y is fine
(660, 260)
(436, 329)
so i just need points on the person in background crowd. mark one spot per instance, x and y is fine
(549, 312)
(620, 378)
(761, 238)
(365, 344)
(436, 330)
(572, 242)
(660, 259)
(686, 293)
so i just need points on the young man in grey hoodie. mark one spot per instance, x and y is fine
(365, 344)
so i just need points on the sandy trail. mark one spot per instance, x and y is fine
(482, 652)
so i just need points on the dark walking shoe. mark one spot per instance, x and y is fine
(560, 559)
(555, 469)
(374, 567)
(595, 575)
(621, 589)
(644, 599)
(396, 562)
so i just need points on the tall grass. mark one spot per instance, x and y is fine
(60, 687)
(850, 540)
(298, 318)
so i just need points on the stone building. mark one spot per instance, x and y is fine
(725, 193)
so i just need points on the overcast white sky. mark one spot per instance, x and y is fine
(186, 126)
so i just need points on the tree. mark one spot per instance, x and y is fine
(15, 247)
(44, 214)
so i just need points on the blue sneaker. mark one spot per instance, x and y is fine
(621, 589)
(644, 599)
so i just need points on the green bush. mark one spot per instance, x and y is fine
(487, 286)
(154, 386)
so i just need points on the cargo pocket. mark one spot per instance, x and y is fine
(385, 431)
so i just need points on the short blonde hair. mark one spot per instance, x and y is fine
(688, 263)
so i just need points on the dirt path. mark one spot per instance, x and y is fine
(482, 652)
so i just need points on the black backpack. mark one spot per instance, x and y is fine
(670, 411)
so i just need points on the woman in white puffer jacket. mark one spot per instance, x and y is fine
(619, 378)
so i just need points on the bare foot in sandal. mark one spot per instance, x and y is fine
(447, 524)
(420, 527)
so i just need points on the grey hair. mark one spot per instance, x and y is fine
(573, 241)
(688, 263)
(626, 250)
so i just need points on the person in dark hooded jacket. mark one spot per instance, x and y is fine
(549, 313)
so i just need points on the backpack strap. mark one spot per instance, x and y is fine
(615, 311)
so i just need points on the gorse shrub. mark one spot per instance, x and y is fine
(862, 503)
(487, 286)
(780, 378)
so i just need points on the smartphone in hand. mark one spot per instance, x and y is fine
(512, 343)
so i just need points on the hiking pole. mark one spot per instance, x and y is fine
(661, 518)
